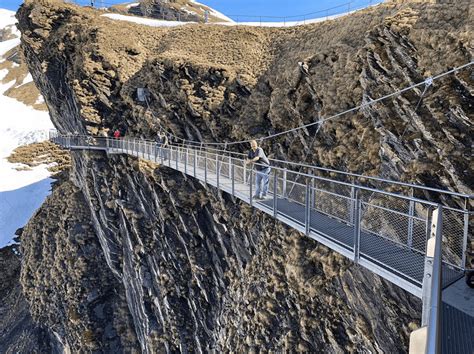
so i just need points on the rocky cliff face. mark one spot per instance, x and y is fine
(128, 254)
(19, 333)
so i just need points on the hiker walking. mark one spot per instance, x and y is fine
(257, 156)
(117, 134)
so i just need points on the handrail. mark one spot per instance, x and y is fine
(378, 179)
(347, 184)
(318, 168)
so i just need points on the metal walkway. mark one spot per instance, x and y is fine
(383, 231)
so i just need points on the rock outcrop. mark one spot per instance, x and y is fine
(128, 254)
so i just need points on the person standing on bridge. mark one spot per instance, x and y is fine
(161, 143)
(257, 156)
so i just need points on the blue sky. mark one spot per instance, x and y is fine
(254, 7)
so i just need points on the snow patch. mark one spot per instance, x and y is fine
(188, 11)
(27, 79)
(134, 4)
(5, 46)
(7, 18)
(3, 73)
(40, 100)
(145, 21)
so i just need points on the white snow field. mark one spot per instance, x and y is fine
(21, 192)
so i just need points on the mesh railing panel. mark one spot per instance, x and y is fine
(224, 167)
(454, 235)
(394, 226)
(333, 204)
(295, 192)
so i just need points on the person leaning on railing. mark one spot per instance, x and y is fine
(161, 144)
(257, 156)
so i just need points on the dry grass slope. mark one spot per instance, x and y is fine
(36, 154)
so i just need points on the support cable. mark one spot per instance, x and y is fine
(427, 82)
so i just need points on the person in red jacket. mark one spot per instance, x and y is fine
(117, 134)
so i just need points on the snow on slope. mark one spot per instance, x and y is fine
(21, 192)
(228, 21)
(214, 13)
(164, 23)
(145, 21)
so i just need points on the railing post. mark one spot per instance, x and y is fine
(177, 157)
(232, 176)
(284, 184)
(307, 208)
(428, 270)
(250, 187)
(275, 193)
(205, 167)
(245, 172)
(352, 201)
(464, 239)
(168, 156)
(411, 213)
(186, 161)
(218, 165)
(357, 207)
(431, 291)
(195, 162)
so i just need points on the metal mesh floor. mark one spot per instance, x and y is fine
(457, 331)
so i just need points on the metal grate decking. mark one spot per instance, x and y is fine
(457, 331)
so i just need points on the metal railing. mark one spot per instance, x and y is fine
(356, 212)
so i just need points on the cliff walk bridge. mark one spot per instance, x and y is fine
(394, 230)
